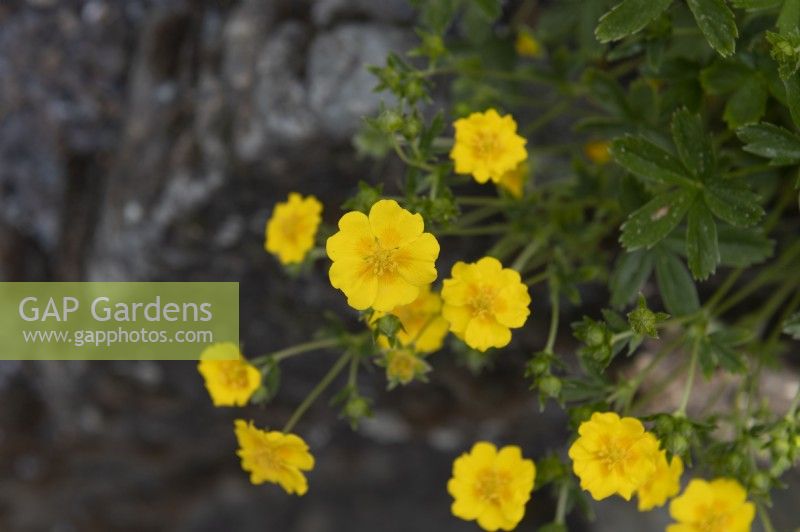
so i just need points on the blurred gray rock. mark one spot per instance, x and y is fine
(341, 90)
(324, 12)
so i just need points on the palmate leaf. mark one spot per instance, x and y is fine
(628, 17)
(651, 223)
(718, 24)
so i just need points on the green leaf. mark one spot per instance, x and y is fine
(718, 24)
(675, 285)
(740, 247)
(735, 205)
(789, 18)
(755, 5)
(792, 326)
(651, 223)
(693, 145)
(793, 96)
(648, 161)
(491, 8)
(724, 76)
(702, 249)
(630, 272)
(628, 17)
(747, 104)
(772, 142)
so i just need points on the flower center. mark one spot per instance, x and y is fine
(381, 262)
(492, 485)
(484, 144)
(715, 519)
(233, 374)
(481, 301)
(402, 366)
(291, 226)
(612, 455)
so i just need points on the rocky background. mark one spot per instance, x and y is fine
(148, 140)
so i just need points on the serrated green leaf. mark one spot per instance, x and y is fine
(630, 272)
(628, 17)
(735, 205)
(651, 223)
(747, 104)
(646, 160)
(772, 142)
(702, 248)
(675, 285)
(740, 247)
(718, 24)
(693, 145)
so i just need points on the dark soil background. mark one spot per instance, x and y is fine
(148, 140)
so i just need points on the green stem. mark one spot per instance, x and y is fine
(551, 336)
(475, 231)
(298, 349)
(482, 200)
(317, 391)
(406, 159)
(554, 112)
(561, 505)
(352, 377)
(766, 522)
(536, 279)
(526, 253)
(621, 336)
(687, 391)
(477, 215)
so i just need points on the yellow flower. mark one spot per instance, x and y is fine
(230, 379)
(483, 301)
(597, 151)
(487, 146)
(492, 487)
(514, 180)
(274, 457)
(526, 44)
(663, 484)
(423, 324)
(613, 455)
(403, 366)
(291, 229)
(382, 261)
(717, 506)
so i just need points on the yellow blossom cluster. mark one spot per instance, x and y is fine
(385, 261)
(615, 455)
